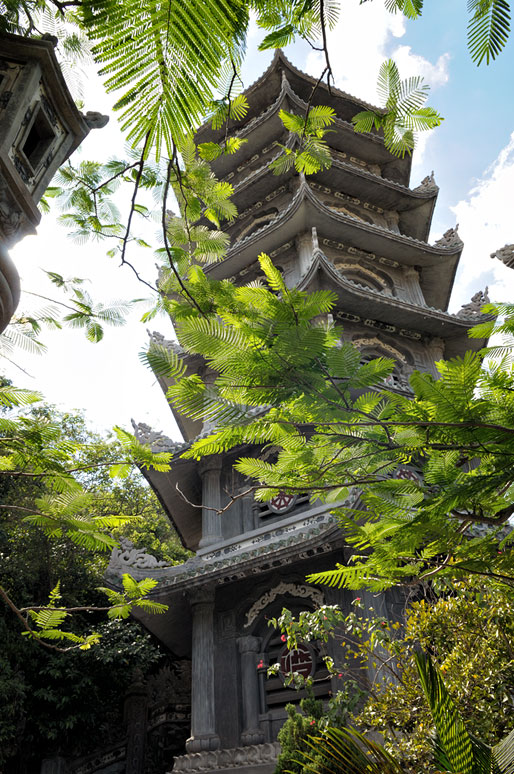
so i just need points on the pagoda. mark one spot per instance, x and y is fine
(40, 127)
(359, 230)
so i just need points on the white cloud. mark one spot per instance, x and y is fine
(412, 64)
(485, 224)
(362, 40)
(365, 36)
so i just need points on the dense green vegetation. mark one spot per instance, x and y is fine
(331, 422)
(51, 701)
(467, 627)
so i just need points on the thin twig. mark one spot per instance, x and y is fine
(166, 242)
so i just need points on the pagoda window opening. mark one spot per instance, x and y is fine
(399, 376)
(365, 277)
(257, 223)
(38, 139)
(306, 660)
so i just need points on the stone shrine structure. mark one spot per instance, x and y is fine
(40, 127)
(360, 231)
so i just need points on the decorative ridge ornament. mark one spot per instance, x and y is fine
(473, 308)
(155, 438)
(428, 184)
(129, 556)
(450, 239)
(159, 338)
(505, 254)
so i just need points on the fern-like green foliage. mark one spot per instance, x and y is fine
(134, 594)
(163, 60)
(404, 112)
(347, 750)
(287, 19)
(336, 431)
(309, 152)
(455, 750)
(488, 29)
(410, 8)
(47, 624)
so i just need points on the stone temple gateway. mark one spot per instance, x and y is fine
(359, 230)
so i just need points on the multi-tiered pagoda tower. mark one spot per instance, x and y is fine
(359, 230)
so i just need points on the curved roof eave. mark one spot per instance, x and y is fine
(291, 221)
(279, 58)
(405, 193)
(427, 319)
(360, 141)
(177, 490)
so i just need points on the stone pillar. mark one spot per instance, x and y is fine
(413, 287)
(249, 648)
(135, 710)
(305, 245)
(210, 470)
(203, 724)
(249, 521)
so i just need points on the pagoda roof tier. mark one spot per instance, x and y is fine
(313, 532)
(382, 311)
(283, 85)
(180, 489)
(190, 428)
(415, 206)
(437, 263)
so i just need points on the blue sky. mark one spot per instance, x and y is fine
(472, 154)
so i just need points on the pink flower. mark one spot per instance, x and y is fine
(357, 599)
(260, 664)
(283, 638)
(383, 624)
(312, 722)
(340, 674)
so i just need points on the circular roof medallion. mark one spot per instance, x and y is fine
(282, 502)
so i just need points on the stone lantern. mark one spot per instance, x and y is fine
(40, 126)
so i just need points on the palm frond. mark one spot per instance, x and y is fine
(488, 29)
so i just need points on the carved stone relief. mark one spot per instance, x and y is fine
(127, 556)
(473, 308)
(375, 343)
(292, 589)
(236, 757)
(505, 254)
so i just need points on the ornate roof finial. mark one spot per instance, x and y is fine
(428, 183)
(473, 308)
(450, 238)
(505, 254)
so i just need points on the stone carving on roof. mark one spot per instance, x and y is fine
(155, 439)
(427, 184)
(450, 238)
(158, 338)
(473, 308)
(128, 556)
(95, 120)
(292, 589)
(505, 254)
(303, 538)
